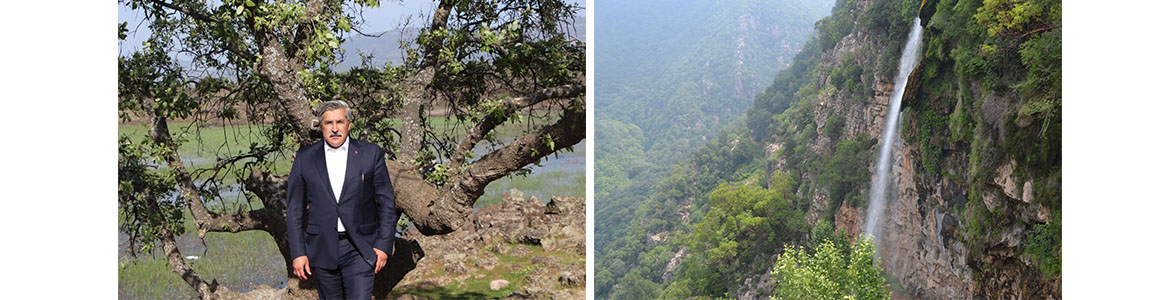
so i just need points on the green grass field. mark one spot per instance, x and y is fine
(239, 261)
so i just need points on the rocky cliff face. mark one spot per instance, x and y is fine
(927, 242)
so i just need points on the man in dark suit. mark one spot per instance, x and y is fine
(341, 214)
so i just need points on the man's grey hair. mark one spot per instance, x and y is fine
(331, 105)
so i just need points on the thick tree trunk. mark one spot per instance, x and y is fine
(435, 211)
(281, 72)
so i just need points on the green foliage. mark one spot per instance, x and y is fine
(679, 289)
(832, 29)
(850, 77)
(1041, 57)
(831, 271)
(145, 215)
(833, 127)
(745, 221)
(264, 62)
(742, 217)
(1015, 17)
(825, 233)
(782, 93)
(931, 130)
(960, 125)
(965, 65)
(667, 83)
(634, 286)
(846, 171)
(1043, 246)
(890, 21)
(977, 221)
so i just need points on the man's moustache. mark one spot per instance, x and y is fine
(334, 134)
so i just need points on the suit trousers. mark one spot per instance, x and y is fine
(353, 278)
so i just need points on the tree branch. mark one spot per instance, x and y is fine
(438, 21)
(560, 92)
(205, 220)
(1038, 30)
(186, 11)
(232, 45)
(171, 250)
(489, 122)
(525, 150)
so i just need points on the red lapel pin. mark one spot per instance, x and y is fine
(354, 151)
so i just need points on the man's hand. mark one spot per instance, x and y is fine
(382, 257)
(301, 267)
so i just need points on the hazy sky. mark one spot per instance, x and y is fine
(387, 16)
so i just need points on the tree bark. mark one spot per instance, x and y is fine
(435, 211)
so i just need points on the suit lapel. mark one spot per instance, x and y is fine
(352, 179)
(322, 170)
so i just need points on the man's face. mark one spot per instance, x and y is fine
(335, 127)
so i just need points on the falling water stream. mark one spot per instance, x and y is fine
(881, 179)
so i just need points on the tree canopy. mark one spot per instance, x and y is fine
(830, 271)
(473, 67)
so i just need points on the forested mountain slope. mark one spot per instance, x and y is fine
(669, 75)
(977, 206)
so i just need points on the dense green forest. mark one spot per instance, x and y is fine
(980, 170)
(670, 74)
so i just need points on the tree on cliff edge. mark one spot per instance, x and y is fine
(267, 63)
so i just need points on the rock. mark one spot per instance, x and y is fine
(548, 244)
(455, 269)
(674, 262)
(848, 220)
(454, 257)
(1027, 197)
(989, 200)
(496, 231)
(1006, 181)
(411, 297)
(498, 284)
(570, 279)
(526, 236)
(1043, 216)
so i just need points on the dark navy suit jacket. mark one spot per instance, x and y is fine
(366, 205)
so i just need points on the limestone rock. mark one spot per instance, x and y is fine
(498, 284)
(1027, 196)
(1007, 182)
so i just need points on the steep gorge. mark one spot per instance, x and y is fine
(974, 206)
(977, 160)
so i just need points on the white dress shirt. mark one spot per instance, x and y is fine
(335, 160)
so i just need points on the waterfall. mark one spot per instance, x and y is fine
(881, 179)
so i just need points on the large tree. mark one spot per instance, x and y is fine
(481, 64)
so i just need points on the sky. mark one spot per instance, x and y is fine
(387, 16)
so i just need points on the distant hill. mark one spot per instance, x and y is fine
(384, 47)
